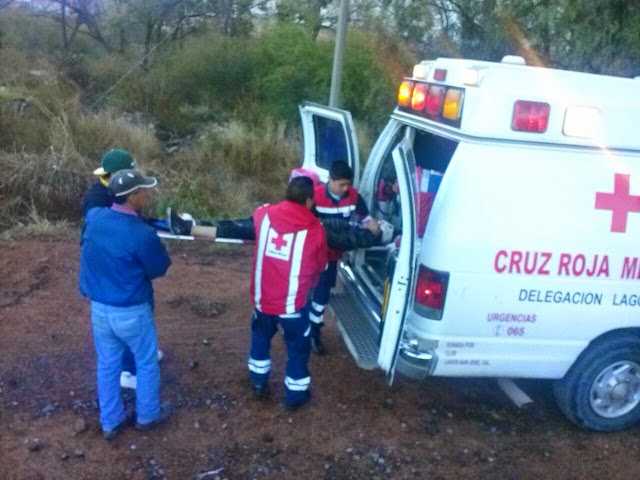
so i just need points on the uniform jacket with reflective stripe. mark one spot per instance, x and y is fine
(290, 254)
(328, 207)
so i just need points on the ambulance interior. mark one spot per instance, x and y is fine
(432, 156)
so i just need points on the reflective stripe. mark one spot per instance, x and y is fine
(294, 276)
(307, 331)
(334, 210)
(264, 233)
(316, 318)
(317, 307)
(259, 366)
(291, 315)
(299, 385)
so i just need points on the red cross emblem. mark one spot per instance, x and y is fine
(279, 242)
(619, 202)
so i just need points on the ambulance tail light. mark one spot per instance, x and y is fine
(452, 104)
(418, 97)
(404, 94)
(530, 116)
(431, 291)
(433, 102)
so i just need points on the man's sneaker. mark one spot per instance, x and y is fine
(177, 225)
(128, 380)
(114, 432)
(292, 407)
(317, 346)
(166, 410)
(261, 391)
(160, 355)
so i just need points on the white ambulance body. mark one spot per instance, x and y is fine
(528, 180)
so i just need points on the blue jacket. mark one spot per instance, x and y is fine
(120, 256)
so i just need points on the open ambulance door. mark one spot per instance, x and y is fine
(328, 136)
(400, 294)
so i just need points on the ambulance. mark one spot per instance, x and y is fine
(515, 195)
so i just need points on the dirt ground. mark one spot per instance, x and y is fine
(355, 427)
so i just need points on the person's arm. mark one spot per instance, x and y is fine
(343, 236)
(153, 255)
(361, 209)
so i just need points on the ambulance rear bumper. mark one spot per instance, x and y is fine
(414, 362)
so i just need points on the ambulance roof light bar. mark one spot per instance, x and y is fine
(582, 122)
(513, 60)
(422, 69)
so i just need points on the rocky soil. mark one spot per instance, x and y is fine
(355, 427)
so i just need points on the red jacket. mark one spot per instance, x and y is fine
(328, 207)
(290, 254)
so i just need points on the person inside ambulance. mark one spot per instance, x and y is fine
(339, 201)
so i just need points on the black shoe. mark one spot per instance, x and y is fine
(292, 407)
(115, 431)
(165, 412)
(177, 225)
(261, 391)
(317, 346)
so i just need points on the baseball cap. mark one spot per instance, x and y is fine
(115, 160)
(128, 181)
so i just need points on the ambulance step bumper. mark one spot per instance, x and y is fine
(356, 321)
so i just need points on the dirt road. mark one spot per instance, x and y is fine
(355, 427)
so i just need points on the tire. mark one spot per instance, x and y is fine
(601, 390)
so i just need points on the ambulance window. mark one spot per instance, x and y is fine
(331, 143)
(433, 152)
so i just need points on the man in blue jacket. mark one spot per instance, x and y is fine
(120, 257)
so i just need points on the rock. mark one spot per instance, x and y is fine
(205, 342)
(80, 426)
(375, 456)
(64, 456)
(432, 429)
(208, 402)
(78, 453)
(267, 438)
(388, 403)
(349, 450)
(196, 424)
(327, 466)
(152, 462)
(33, 444)
(193, 364)
(449, 431)
(381, 461)
(47, 409)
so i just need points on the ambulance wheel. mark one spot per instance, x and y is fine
(601, 391)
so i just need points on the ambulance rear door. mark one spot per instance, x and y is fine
(328, 136)
(399, 297)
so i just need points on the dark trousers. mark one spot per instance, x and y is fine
(296, 336)
(321, 294)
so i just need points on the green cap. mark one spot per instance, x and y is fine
(115, 160)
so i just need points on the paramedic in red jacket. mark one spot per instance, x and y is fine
(339, 200)
(290, 254)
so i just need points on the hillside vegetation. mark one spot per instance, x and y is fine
(213, 117)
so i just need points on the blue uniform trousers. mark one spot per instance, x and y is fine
(296, 337)
(321, 294)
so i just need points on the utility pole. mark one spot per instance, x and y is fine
(338, 56)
